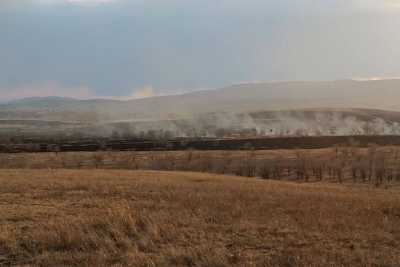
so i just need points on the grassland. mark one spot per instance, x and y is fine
(376, 165)
(148, 218)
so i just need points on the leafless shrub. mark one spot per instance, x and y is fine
(357, 166)
(318, 167)
(372, 164)
(265, 170)
(224, 165)
(247, 167)
(133, 161)
(389, 174)
(62, 160)
(397, 174)
(302, 166)
(336, 165)
(278, 168)
(206, 164)
(371, 158)
(380, 168)
(166, 162)
(396, 153)
(189, 155)
(98, 159)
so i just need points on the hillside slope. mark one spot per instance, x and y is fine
(383, 94)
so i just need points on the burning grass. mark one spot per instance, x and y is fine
(146, 218)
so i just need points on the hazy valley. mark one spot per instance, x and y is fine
(264, 109)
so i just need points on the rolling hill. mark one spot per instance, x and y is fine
(288, 108)
(383, 94)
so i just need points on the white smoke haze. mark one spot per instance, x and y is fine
(271, 124)
(326, 124)
(266, 124)
(246, 110)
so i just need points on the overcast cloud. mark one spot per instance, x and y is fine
(92, 48)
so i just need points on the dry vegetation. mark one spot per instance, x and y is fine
(375, 165)
(147, 218)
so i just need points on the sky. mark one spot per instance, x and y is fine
(140, 48)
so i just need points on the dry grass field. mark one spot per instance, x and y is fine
(148, 218)
(375, 165)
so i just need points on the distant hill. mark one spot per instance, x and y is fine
(346, 94)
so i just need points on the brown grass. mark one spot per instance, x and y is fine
(373, 165)
(147, 218)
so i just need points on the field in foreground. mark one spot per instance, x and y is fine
(147, 218)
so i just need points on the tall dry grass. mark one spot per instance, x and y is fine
(136, 218)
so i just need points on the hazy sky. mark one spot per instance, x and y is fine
(88, 48)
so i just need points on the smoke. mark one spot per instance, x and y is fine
(232, 125)
(325, 123)
(263, 124)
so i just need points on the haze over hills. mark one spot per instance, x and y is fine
(276, 108)
(380, 94)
